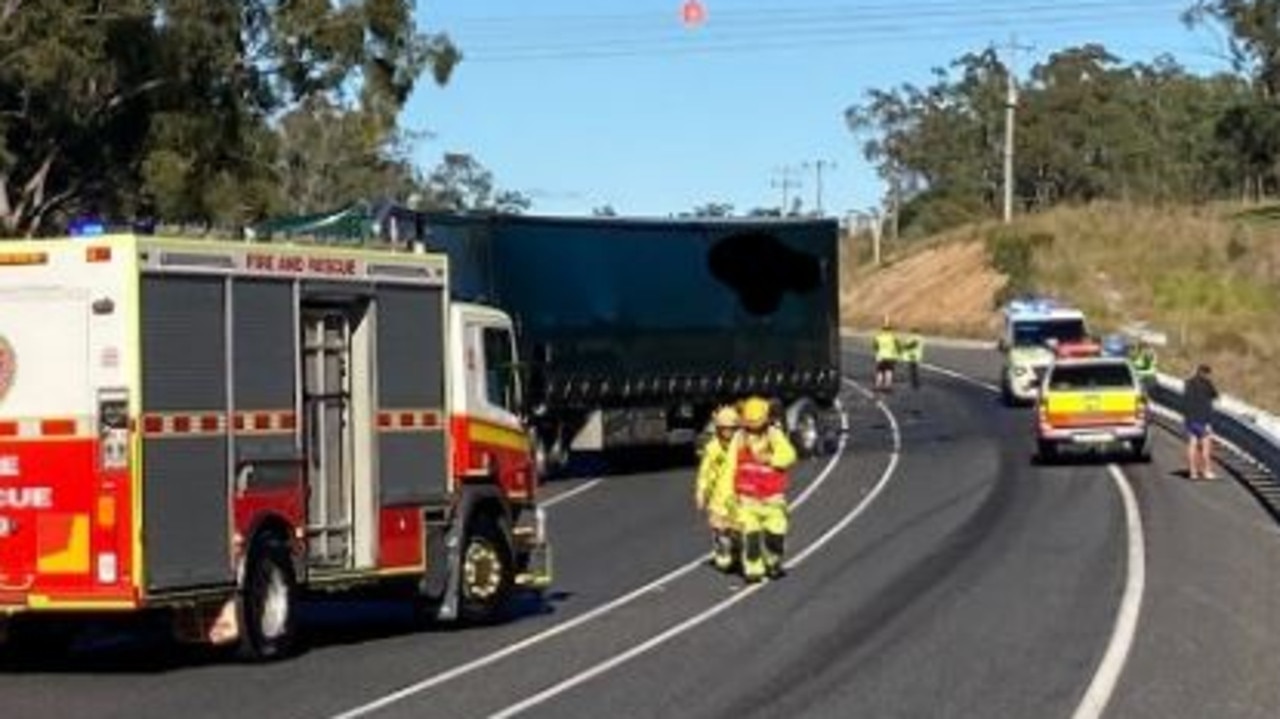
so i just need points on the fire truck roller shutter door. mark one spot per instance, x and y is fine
(410, 366)
(185, 474)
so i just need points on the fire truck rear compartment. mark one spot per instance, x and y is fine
(335, 366)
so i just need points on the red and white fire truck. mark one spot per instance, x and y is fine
(214, 428)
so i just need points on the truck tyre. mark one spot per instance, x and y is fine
(487, 572)
(541, 457)
(266, 602)
(804, 429)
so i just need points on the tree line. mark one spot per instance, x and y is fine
(216, 112)
(1089, 126)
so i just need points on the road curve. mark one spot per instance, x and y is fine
(972, 584)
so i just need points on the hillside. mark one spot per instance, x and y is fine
(1207, 277)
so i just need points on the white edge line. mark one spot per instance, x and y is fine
(512, 649)
(1109, 670)
(711, 612)
(570, 493)
(1107, 675)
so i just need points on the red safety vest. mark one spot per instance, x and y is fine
(757, 480)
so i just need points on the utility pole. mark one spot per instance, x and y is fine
(1010, 120)
(786, 181)
(818, 166)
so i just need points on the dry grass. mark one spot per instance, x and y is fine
(1208, 277)
(943, 287)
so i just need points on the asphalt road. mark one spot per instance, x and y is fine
(937, 572)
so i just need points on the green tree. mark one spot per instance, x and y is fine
(461, 184)
(714, 209)
(105, 104)
(330, 157)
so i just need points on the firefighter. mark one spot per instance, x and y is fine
(714, 493)
(885, 344)
(764, 456)
(1143, 361)
(911, 351)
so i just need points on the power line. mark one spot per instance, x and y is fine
(824, 39)
(773, 15)
(894, 21)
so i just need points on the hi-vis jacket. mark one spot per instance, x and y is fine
(762, 465)
(716, 475)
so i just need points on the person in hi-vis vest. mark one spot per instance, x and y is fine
(764, 456)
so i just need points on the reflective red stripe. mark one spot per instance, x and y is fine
(210, 423)
(58, 427)
(8, 429)
(405, 419)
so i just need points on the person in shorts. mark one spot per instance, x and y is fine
(1198, 396)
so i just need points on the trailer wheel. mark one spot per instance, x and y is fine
(806, 433)
(265, 604)
(488, 571)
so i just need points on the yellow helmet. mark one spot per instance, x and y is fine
(755, 412)
(726, 418)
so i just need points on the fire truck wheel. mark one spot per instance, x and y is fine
(488, 571)
(265, 603)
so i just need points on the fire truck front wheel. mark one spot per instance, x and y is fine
(266, 601)
(488, 570)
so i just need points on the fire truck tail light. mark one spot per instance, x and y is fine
(108, 568)
(97, 254)
(107, 512)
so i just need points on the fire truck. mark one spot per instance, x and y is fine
(216, 429)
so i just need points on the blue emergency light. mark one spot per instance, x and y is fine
(1033, 306)
(87, 227)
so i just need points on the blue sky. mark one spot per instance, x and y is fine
(580, 104)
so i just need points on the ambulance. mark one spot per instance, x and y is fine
(1035, 330)
(215, 429)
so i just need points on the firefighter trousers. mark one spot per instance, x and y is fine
(764, 525)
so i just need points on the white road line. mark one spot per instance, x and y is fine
(569, 625)
(711, 612)
(963, 378)
(1126, 628)
(570, 494)
(1107, 676)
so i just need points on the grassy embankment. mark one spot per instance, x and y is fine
(1207, 277)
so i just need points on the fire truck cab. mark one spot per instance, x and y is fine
(215, 428)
